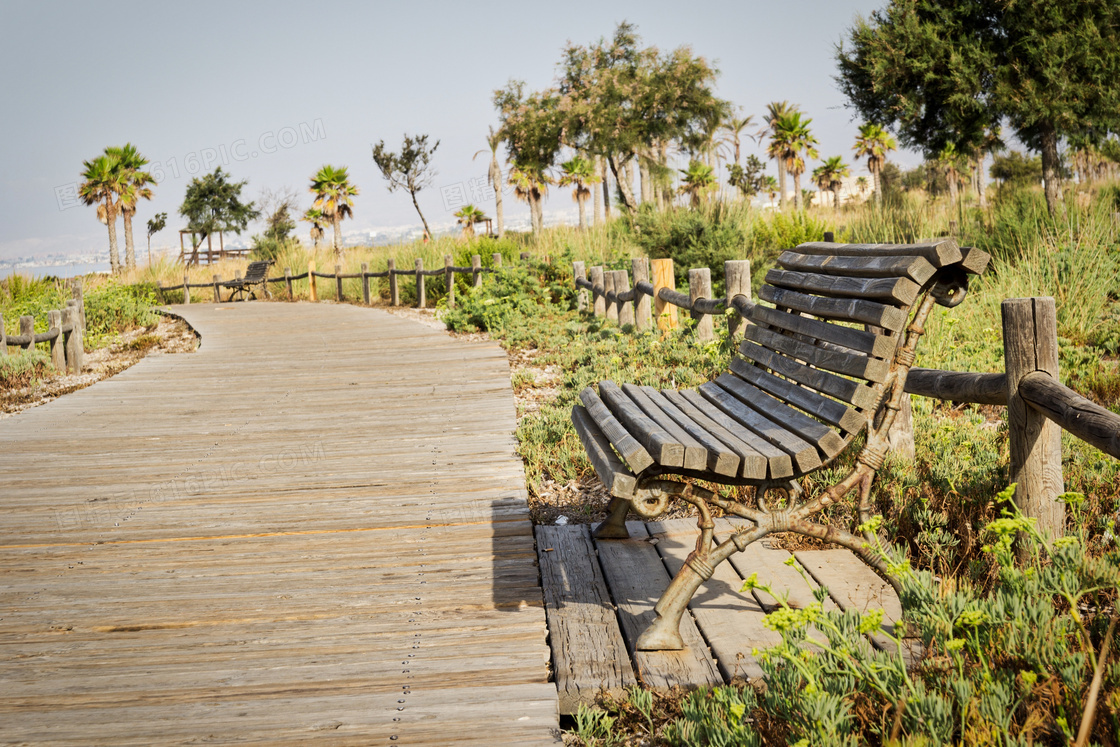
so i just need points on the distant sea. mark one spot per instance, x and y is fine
(59, 271)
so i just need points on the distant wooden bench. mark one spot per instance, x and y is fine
(255, 274)
(826, 359)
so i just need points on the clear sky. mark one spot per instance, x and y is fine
(272, 91)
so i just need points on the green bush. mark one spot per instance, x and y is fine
(112, 308)
(23, 368)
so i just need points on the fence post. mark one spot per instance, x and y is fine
(663, 278)
(314, 290)
(608, 287)
(643, 319)
(737, 273)
(421, 296)
(76, 348)
(77, 295)
(524, 258)
(476, 270)
(598, 302)
(338, 283)
(27, 328)
(159, 290)
(496, 261)
(625, 308)
(394, 292)
(1030, 343)
(3, 338)
(69, 339)
(700, 286)
(578, 271)
(186, 290)
(365, 283)
(217, 292)
(288, 282)
(449, 280)
(58, 355)
(829, 237)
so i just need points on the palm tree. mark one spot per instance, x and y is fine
(494, 176)
(951, 160)
(468, 215)
(333, 192)
(792, 137)
(134, 187)
(696, 180)
(102, 181)
(770, 187)
(530, 188)
(829, 177)
(734, 127)
(578, 173)
(874, 142)
(775, 110)
(861, 185)
(317, 220)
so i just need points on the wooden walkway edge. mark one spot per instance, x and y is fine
(314, 528)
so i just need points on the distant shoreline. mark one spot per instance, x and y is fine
(59, 271)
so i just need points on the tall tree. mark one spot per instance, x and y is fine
(466, 217)
(102, 181)
(411, 169)
(494, 177)
(735, 127)
(775, 110)
(579, 173)
(155, 225)
(944, 71)
(748, 178)
(874, 143)
(829, 177)
(791, 138)
(134, 187)
(212, 203)
(532, 126)
(696, 181)
(315, 217)
(530, 188)
(334, 197)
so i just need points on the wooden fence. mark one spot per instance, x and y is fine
(1039, 406)
(65, 333)
(391, 272)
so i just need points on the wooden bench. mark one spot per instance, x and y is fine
(826, 359)
(255, 274)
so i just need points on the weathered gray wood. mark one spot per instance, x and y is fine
(1030, 343)
(496, 260)
(627, 446)
(850, 364)
(643, 315)
(737, 276)
(394, 291)
(578, 271)
(975, 260)
(901, 291)
(598, 300)
(730, 621)
(449, 280)
(657, 441)
(938, 252)
(217, 280)
(1087, 420)
(700, 287)
(365, 283)
(625, 308)
(288, 281)
(338, 283)
(862, 341)
(70, 339)
(589, 655)
(476, 270)
(770, 565)
(917, 269)
(77, 294)
(636, 578)
(804, 454)
(695, 455)
(27, 331)
(616, 478)
(796, 422)
(828, 410)
(958, 386)
(610, 306)
(753, 462)
(843, 309)
(58, 353)
(721, 459)
(859, 394)
(421, 294)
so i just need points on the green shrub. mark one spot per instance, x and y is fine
(23, 368)
(112, 308)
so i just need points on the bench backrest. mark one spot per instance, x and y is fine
(257, 271)
(818, 360)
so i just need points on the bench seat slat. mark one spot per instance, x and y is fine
(695, 455)
(900, 291)
(917, 269)
(618, 480)
(805, 427)
(721, 459)
(850, 364)
(753, 463)
(667, 451)
(627, 446)
(828, 410)
(859, 394)
(805, 456)
(842, 309)
(860, 340)
(939, 252)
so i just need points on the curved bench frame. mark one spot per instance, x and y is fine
(653, 494)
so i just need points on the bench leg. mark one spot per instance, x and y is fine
(614, 527)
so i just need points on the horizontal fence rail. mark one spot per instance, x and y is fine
(65, 333)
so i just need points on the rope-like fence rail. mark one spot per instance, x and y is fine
(476, 270)
(65, 333)
(1039, 406)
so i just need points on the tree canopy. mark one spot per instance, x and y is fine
(950, 71)
(213, 203)
(411, 169)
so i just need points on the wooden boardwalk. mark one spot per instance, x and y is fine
(312, 529)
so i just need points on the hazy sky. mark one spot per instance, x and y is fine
(273, 91)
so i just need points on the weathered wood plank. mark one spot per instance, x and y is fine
(842, 309)
(611, 471)
(721, 459)
(752, 462)
(809, 429)
(939, 252)
(901, 291)
(849, 364)
(859, 340)
(856, 392)
(917, 269)
(657, 441)
(628, 447)
(804, 454)
(695, 455)
(828, 410)
(778, 462)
